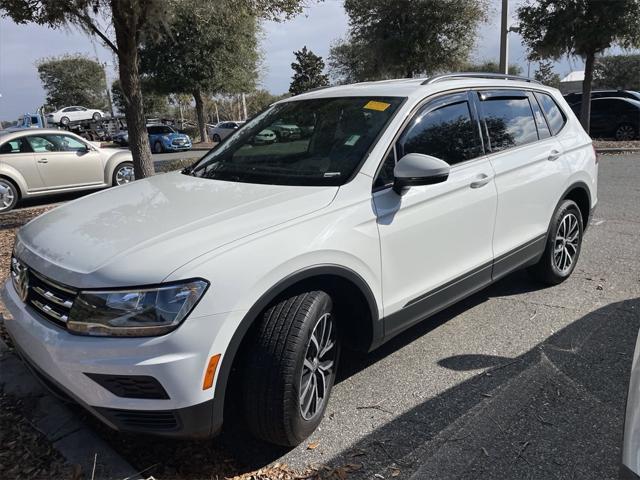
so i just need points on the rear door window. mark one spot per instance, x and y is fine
(509, 118)
(555, 117)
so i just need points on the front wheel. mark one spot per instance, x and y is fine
(290, 368)
(158, 148)
(96, 116)
(563, 245)
(123, 174)
(64, 121)
(216, 138)
(8, 195)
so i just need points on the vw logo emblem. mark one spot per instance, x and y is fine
(20, 276)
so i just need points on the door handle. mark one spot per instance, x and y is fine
(553, 155)
(43, 160)
(481, 181)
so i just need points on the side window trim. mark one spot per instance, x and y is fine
(536, 94)
(536, 107)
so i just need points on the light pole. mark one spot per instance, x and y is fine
(504, 32)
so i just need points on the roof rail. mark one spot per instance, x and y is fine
(451, 76)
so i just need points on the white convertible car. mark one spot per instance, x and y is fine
(44, 161)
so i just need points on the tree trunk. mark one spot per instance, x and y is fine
(585, 109)
(125, 20)
(197, 96)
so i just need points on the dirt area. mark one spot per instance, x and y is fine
(606, 143)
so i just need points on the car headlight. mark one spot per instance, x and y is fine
(137, 312)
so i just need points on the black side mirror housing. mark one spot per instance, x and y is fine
(418, 169)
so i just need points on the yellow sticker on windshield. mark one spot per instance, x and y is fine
(379, 106)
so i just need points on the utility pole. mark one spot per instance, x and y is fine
(244, 107)
(504, 32)
(106, 85)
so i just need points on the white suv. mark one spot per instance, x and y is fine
(259, 262)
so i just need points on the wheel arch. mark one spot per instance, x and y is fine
(112, 163)
(351, 294)
(579, 193)
(17, 181)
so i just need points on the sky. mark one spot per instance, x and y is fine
(21, 46)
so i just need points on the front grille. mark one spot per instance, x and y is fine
(130, 386)
(50, 298)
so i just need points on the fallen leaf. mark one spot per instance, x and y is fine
(313, 445)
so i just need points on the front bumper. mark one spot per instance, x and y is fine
(177, 147)
(177, 361)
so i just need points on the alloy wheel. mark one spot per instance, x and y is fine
(318, 368)
(125, 175)
(566, 243)
(625, 132)
(7, 195)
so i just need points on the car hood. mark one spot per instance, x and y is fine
(141, 232)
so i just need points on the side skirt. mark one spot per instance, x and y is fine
(430, 303)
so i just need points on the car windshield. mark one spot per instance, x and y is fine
(306, 142)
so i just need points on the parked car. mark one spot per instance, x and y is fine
(73, 114)
(613, 117)
(251, 269)
(164, 138)
(286, 131)
(46, 161)
(576, 97)
(121, 138)
(222, 130)
(264, 137)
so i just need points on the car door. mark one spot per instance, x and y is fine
(16, 154)
(528, 173)
(64, 160)
(435, 240)
(604, 116)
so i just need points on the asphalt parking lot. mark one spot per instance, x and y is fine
(518, 381)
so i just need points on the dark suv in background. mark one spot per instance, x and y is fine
(613, 117)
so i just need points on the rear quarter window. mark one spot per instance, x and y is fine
(555, 117)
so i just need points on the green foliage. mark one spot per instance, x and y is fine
(155, 104)
(208, 49)
(405, 38)
(308, 69)
(618, 71)
(546, 75)
(489, 66)
(73, 80)
(552, 28)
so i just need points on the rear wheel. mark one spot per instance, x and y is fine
(563, 245)
(96, 116)
(64, 121)
(157, 147)
(290, 368)
(625, 132)
(123, 174)
(8, 195)
(216, 138)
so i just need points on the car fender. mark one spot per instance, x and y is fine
(11, 173)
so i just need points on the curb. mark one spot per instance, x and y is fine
(77, 443)
(618, 150)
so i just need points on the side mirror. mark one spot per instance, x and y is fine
(417, 169)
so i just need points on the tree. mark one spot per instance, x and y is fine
(208, 51)
(490, 67)
(73, 80)
(618, 71)
(133, 21)
(546, 75)
(308, 69)
(553, 28)
(405, 38)
(154, 104)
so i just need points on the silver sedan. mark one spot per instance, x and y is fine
(36, 162)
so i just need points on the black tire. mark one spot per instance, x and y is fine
(552, 268)
(64, 121)
(114, 177)
(625, 131)
(275, 367)
(96, 116)
(216, 138)
(9, 195)
(158, 148)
